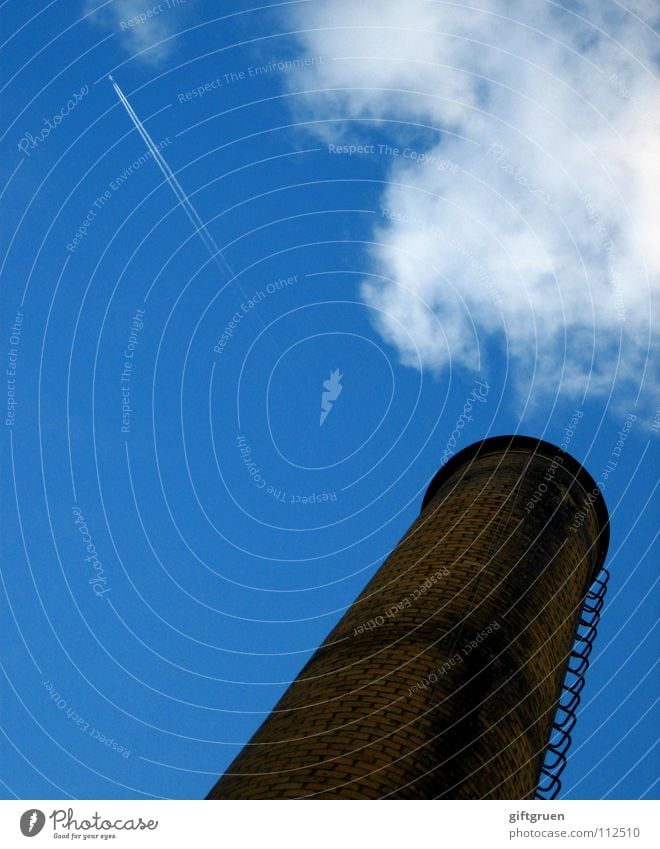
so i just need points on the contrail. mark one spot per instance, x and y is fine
(185, 202)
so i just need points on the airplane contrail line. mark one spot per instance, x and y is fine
(199, 226)
(184, 200)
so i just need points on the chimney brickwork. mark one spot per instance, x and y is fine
(443, 677)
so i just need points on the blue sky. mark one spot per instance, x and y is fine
(418, 200)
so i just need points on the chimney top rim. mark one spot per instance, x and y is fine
(518, 443)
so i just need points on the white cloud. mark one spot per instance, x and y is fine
(546, 234)
(144, 27)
